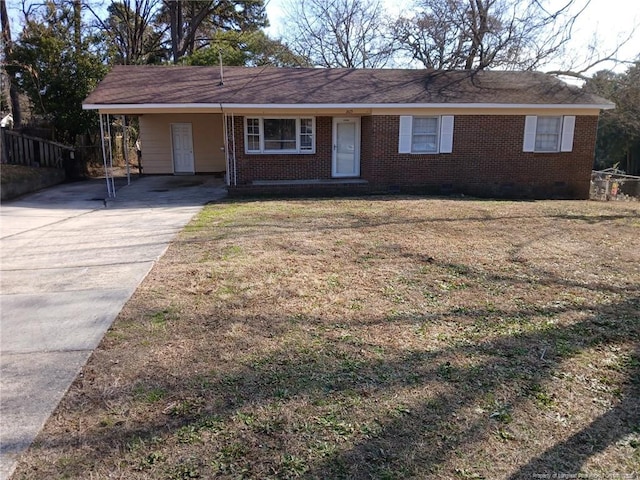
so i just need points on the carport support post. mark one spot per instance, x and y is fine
(104, 154)
(125, 134)
(228, 124)
(233, 140)
(225, 132)
(110, 177)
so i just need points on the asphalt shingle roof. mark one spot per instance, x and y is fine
(270, 85)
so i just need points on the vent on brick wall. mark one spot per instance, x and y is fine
(446, 189)
(506, 189)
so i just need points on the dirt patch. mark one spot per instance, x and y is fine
(369, 338)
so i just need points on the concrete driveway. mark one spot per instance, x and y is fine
(68, 264)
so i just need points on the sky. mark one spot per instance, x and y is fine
(610, 20)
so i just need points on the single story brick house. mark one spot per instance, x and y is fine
(284, 130)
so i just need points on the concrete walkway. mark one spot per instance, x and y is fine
(68, 264)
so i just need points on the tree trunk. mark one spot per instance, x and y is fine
(479, 27)
(8, 50)
(175, 16)
(77, 25)
(183, 33)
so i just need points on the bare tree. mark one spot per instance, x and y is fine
(339, 33)
(479, 34)
(131, 31)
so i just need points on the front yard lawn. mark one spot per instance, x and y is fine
(383, 338)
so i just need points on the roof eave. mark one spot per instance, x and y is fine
(395, 106)
(219, 107)
(144, 107)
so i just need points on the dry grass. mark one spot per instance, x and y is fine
(369, 338)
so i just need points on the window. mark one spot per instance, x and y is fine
(548, 134)
(253, 134)
(425, 135)
(280, 135)
(306, 134)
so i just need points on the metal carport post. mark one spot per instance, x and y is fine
(108, 167)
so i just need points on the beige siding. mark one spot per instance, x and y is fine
(208, 140)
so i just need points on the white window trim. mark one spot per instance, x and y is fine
(298, 149)
(566, 134)
(444, 141)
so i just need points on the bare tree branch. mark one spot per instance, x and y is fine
(580, 66)
(339, 33)
(510, 34)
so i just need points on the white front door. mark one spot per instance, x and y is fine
(346, 147)
(182, 141)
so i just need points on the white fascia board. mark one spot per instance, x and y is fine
(152, 106)
(390, 106)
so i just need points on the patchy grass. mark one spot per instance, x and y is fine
(369, 338)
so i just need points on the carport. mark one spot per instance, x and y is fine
(179, 141)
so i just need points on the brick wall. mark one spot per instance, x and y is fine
(286, 166)
(487, 160)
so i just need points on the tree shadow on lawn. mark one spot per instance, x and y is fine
(360, 218)
(512, 361)
(337, 411)
(328, 400)
(570, 455)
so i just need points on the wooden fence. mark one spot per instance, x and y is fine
(19, 149)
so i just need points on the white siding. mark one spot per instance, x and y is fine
(155, 136)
